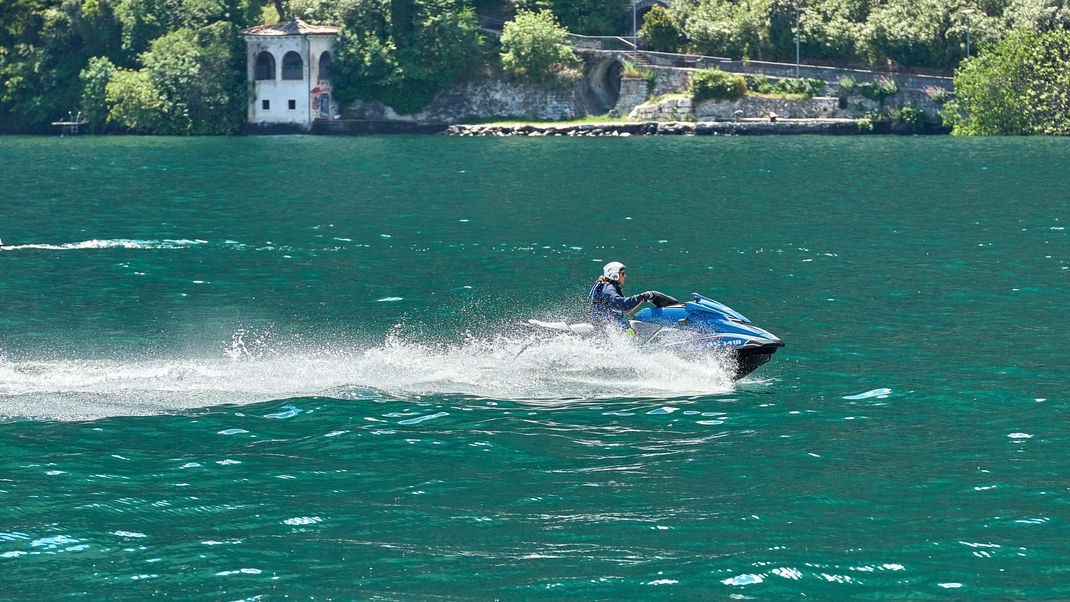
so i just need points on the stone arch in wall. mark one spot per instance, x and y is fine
(293, 67)
(645, 5)
(603, 85)
(265, 66)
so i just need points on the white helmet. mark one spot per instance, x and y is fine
(612, 270)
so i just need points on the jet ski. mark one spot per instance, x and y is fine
(702, 324)
(694, 326)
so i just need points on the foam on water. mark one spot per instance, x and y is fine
(526, 367)
(118, 243)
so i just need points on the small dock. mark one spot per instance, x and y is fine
(71, 125)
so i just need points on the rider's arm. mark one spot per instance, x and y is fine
(621, 302)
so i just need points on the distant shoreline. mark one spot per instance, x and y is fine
(741, 127)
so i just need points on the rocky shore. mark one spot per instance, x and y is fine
(742, 127)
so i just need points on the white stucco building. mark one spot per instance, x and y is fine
(289, 67)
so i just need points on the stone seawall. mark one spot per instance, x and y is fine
(480, 99)
(751, 127)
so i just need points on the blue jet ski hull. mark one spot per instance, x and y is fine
(705, 324)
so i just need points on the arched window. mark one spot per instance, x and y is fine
(265, 66)
(292, 66)
(325, 66)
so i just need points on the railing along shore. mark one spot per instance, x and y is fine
(621, 44)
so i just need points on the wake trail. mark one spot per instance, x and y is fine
(554, 368)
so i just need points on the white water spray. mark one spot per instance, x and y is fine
(520, 367)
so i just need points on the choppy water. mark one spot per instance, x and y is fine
(289, 366)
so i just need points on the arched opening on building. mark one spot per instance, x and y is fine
(325, 66)
(292, 66)
(265, 66)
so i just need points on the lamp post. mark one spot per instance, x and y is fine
(969, 21)
(796, 38)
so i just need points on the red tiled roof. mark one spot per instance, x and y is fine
(290, 28)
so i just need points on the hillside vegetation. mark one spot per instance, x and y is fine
(178, 66)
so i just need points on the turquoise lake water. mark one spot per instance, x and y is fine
(290, 366)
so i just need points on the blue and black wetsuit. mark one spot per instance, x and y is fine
(608, 305)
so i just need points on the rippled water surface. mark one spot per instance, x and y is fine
(292, 366)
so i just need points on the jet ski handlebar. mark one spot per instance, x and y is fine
(662, 300)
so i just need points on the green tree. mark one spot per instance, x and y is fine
(197, 71)
(830, 30)
(909, 32)
(1019, 86)
(135, 104)
(95, 79)
(142, 21)
(660, 31)
(533, 46)
(44, 48)
(727, 28)
(1037, 15)
(407, 73)
(781, 30)
(585, 17)
(189, 85)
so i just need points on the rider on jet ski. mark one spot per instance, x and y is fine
(608, 303)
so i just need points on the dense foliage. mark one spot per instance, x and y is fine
(178, 66)
(714, 84)
(403, 52)
(586, 17)
(59, 56)
(533, 46)
(1019, 86)
(660, 32)
(916, 33)
(189, 84)
(786, 86)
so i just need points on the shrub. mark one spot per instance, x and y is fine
(808, 87)
(660, 31)
(937, 94)
(785, 86)
(631, 70)
(533, 46)
(912, 119)
(714, 84)
(758, 83)
(848, 86)
(880, 91)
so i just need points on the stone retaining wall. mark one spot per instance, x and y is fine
(671, 128)
(500, 98)
(674, 108)
(633, 92)
(681, 107)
